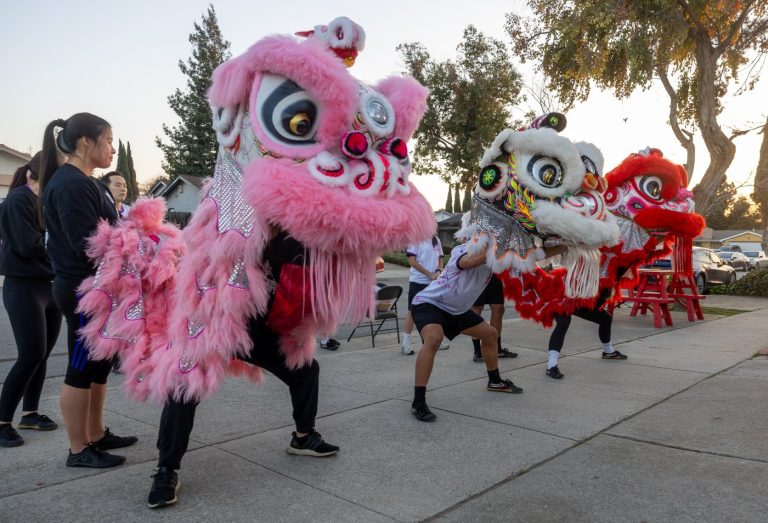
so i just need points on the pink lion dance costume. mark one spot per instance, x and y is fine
(311, 183)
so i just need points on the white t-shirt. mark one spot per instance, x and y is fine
(428, 256)
(123, 213)
(456, 290)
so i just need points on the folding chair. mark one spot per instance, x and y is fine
(386, 309)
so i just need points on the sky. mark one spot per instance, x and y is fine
(120, 61)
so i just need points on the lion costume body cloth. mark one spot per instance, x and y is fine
(311, 183)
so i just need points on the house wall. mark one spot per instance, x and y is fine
(8, 166)
(183, 199)
(747, 242)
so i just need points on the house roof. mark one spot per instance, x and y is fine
(13, 152)
(195, 181)
(727, 234)
(755, 233)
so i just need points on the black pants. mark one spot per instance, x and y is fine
(178, 418)
(35, 321)
(596, 315)
(81, 370)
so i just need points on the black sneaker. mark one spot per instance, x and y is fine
(554, 372)
(506, 353)
(37, 421)
(615, 355)
(504, 386)
(94, 458)
(9, 437)
(112, 441)
(331, 344)
(477, 358)
(164, 488)
(311, 445)
(422, 413)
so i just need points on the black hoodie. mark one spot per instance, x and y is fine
(22, 243)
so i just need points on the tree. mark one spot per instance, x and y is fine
(694, 47)
(760, 192)
(724, 197)
(121, 158)
(449, 201)
(743, 214)
(456, 200)
(466, 204)
(469, 104)
(192, 143)
(130, 176)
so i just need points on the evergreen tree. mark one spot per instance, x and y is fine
(192, 143)
(449, 201)
(456, 199)
(466, 205)
(121, 160)
(130, 176)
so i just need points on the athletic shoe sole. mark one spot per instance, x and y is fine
(168, 503)
(409, 353)
(10, 444)
(35, 427)
(508, 390)
(310, 452)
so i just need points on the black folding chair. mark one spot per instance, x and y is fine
(386, 309)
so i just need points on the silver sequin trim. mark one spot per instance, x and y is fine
(195, 328)
(632, 236)
(509, 235)
(234, 213)
(238, 278)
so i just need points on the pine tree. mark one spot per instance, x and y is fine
(449, 201)
(192, 143)
(466, 205)
(456, 199)
(130, 176)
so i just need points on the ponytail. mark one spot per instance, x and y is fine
(32, 167)
(49, 162)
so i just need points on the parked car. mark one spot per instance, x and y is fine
(709, 270)
(757, 259)
(379, 264)
(729, 248)
(735, 259)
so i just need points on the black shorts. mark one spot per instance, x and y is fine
(413, 289)
(427, 314)
(493, 294)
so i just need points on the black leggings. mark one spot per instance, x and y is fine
(81, 370)
(596, 315)
(35, 321)
(178, 418)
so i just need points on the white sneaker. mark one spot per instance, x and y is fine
(444, 346)
(407, 350)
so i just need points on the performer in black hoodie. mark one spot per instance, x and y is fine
(35, 319)
(73, 206)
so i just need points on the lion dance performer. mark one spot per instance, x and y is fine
(311, 182)
(648, 197)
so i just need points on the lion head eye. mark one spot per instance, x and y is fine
(651, 186)
(287, 112)
(546, 170)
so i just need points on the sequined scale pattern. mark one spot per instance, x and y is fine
(234, 213)
(509, 236)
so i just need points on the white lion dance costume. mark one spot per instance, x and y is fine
(538, 189)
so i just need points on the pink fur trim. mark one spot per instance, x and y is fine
(409, 100)
(332, 219)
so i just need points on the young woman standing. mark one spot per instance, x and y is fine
(73, 205)
(27, 297)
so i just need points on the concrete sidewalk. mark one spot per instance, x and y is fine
(676, 433)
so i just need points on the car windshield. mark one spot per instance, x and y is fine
(751, 254)
(725, 255)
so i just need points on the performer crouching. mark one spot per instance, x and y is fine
(444, 309)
